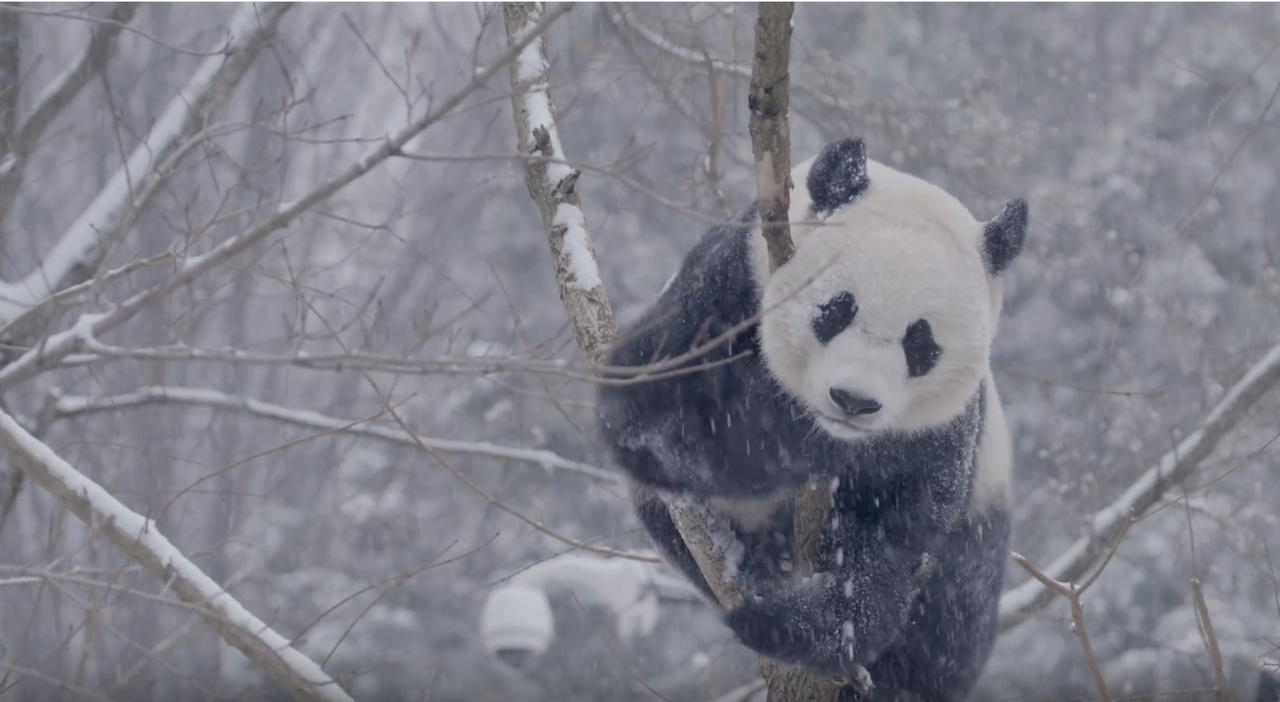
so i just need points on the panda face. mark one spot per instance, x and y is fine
(883, 319)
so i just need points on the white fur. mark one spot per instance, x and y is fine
(750, 513)
(993, 477)
(906, 250)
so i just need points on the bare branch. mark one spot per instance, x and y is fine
(79, 72)
(62, 685)
(86, 241)
(28, 305)
(621, 19)
(487, 496)
(553, 186)
(1072, 595)
(10, 74)
(96, 352)
(1175, 466)
(53, 349)
(768, 100)
(72, 406)
(140, 538)
(59, 93)
(175, 637)
(10, 83)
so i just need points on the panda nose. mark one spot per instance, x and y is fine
(854, 405)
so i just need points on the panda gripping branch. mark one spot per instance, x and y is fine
(863, 363)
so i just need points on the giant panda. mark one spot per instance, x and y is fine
(861, 364)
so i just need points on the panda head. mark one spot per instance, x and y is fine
(883, 319)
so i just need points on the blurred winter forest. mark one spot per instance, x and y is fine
(354, 401)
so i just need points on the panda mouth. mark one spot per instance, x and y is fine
(843, 427)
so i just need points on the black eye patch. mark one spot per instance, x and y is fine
(921, 350)
(834, 316)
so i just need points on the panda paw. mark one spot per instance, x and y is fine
(784, 632)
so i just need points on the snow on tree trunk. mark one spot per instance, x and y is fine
(552, 184)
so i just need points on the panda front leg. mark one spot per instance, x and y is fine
(714, 424)
(837, 620)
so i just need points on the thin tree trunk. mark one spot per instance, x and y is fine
(551, 185)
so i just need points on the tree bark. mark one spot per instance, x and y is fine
(768, 101)
(551, 185)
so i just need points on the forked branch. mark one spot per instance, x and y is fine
(1072, 594)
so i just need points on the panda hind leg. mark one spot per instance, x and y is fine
(832, 624)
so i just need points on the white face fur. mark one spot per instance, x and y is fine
(903, 251)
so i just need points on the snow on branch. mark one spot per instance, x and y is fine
(97, 352)
(19, 330)
(70, 406)
(51, 350)
(552, 184)
(1021, 602)
(99, 224)
(140, 538)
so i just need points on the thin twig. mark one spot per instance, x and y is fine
(50, 352)
(1072, 595)
(140, 538)
(1019, 603)
(1221, 691)
(74, 406)
(61, 91)
(112, 211)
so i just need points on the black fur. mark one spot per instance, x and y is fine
(897, 499)
(834, 316)
(838, 176)
(1268, 687)
(1003, 236)
(921, 350)
(728, 430)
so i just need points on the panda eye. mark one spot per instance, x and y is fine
(921, 350)
(834, 316)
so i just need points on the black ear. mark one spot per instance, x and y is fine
(1003, 236)
(838, 175)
